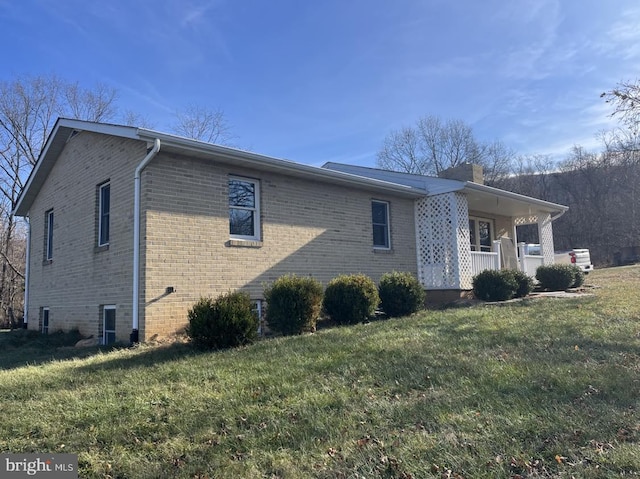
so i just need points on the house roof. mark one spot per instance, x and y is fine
(479, 197)
(65, 128)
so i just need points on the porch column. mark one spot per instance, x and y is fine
(521, 257)
(497, 248)
(442, 239)
(545, 234)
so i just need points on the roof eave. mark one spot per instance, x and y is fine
(56, 140)
(262, 162)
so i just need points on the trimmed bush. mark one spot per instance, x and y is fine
(556, 277)
(227, 322)
(578, 279)
(494, 285)
(400, 294)
(350, 299)
(293, 304)
(524, 281)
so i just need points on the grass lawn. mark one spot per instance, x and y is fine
(540, 388)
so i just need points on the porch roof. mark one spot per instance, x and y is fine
(506, 203)
(482, 198)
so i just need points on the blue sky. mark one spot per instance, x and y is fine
(316, 81)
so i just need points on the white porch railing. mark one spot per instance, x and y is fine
(529, 264)
(481, 260)
(491, 260)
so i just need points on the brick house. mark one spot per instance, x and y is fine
(128, 227)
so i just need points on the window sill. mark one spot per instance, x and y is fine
(100, 249)
(237, 243)
(46, 262)
(382, 251)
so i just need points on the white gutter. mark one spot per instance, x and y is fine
(26, 275)
(553, 218)
(136, 237)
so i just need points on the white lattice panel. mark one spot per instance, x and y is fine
(464, 242)
(526, 220)
(442, 240)
(545, 233)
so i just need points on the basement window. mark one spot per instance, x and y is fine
(45, 320)
(108, 324)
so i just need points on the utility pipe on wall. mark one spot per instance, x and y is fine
(134, 337)
(26, 276)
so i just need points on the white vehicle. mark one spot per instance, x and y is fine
(579, 257)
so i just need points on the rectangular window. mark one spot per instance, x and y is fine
(258, 311)
(380, 220)
(104, 209)
(108, 325)
(244, 209)
(45, 320)
(48, 234)
(481, 234)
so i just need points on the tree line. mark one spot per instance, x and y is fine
(598, 187)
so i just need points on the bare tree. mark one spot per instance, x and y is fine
(625, 99)
(132, 118)
(204, 124)
(401, 151)
(29, 107)
(97, 104)
(432, 146)
(497, 161)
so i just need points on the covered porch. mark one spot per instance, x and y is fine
(461, 233)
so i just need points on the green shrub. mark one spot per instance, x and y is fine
(524, 281)
(556, 277)
(495, 285)
(400, 294)
(578, 279)
(350, 299)
(293, 304)
(228, 321)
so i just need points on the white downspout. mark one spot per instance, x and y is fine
(26, 275)
(134, 338)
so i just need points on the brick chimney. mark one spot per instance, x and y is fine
(464, 172)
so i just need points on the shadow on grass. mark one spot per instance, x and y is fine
(19, 348)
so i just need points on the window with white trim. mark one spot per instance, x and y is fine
(104, 209)
(481, 234)
(48, 235)
(244, 208)
(108, 324)
(380, 221)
